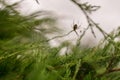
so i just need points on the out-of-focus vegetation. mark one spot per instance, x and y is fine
(26, 55)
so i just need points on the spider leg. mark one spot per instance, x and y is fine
(77, 33)
(79, 25)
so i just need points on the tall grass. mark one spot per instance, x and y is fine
(26, 55)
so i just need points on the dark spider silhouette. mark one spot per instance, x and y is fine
(75, 27)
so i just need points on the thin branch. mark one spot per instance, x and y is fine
(108, 72)
(90, 21)
(79, 39)
(38, 1)
(86, 15)
(114, 70)
(60, 36)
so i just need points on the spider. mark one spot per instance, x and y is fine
(75, 27)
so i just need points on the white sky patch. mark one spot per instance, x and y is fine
(63, 51)
(108, 16)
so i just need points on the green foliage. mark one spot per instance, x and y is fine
(20, 40)
(25, 54)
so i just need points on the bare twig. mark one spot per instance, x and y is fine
(108, 72)
(75, 27)
(60, 36)
(79, 39)
(87, 17)
(37, 1)
(90, 22)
